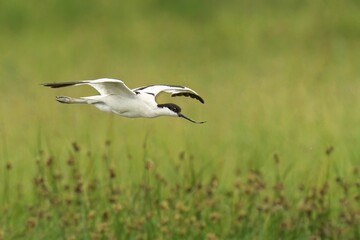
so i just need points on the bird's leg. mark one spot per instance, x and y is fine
(68, 100)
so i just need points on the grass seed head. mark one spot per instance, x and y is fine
(237, 183)
(241, 216)
(68, 201)
(49, 161)
(149, 165)
(149, 214)
(182, 155)
(79, 187)
(72, 237)
(102, 227)
(91, 214)
(108, 143)
(215, 216)
(329, 150)
(75, 147)
(181, 231)
(165, 230)
(177, 217)
(105, 216)
(31, 223)
(356, 171)
(286, 224)
(112, 174)
(211, 236)
(8, 166)
(117, 207)
(58, 175)
(71, 161)
(180, 206)
(357, 198)
(39, 180)
(92, 185)
(276, 158)
(164, 205)
(164, 220)
(95, 236)
(278, 187)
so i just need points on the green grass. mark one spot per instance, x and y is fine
(277, 159)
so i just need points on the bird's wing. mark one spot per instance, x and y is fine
(105, 86)
(174, 90)
(108, 86)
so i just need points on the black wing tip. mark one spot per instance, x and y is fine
(59, 84)
(48, 85)
(192, 95)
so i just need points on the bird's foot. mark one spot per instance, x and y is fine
(64, 99)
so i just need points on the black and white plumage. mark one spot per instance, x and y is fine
(117, 98)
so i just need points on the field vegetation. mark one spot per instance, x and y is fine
(278, 158)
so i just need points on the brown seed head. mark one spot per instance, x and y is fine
(75, 147)
(329, 150)
(112, 174)
(182, 155)
(79, 187)
(211, 236)
(215, 216)
(108, 142)
(117, 207)
(164, 205)
(276, 158)
(49, 161)
(91, 214)
(31, 223)
(71, 161)
(105, 216)
(356, 171)
(165, 230)
(149, 165)
(8, 166)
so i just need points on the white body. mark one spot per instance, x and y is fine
(142, 105)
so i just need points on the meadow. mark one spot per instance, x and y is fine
(279, 156)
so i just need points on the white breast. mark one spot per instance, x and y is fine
(140, 106)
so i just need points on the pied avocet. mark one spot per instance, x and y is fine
(117, 98)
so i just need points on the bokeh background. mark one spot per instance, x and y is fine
(278, 77)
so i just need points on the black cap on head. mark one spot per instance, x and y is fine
(176, 109)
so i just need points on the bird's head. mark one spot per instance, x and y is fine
(172, 109)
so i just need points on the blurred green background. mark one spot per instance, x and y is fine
(277, 76)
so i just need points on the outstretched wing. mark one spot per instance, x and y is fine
(105, 86)
(174, 90)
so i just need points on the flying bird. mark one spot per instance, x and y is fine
(117, 98)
